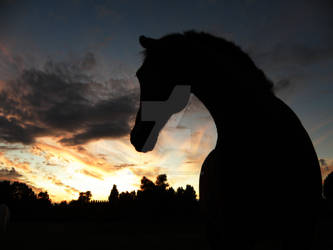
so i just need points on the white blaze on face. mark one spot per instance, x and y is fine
(4, 217)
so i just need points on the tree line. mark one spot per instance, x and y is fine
(153, 200)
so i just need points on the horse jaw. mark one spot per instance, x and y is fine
(142, 137)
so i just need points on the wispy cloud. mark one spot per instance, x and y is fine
(326, 166)
(323, 137)
(92, 174)
(5, 161)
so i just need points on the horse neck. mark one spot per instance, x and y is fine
(230, 113)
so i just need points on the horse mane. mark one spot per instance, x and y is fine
(203, 47)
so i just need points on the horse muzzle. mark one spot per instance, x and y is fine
(142, 137)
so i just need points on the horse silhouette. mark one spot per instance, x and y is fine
(260, 187)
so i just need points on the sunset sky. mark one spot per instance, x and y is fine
(68, 91)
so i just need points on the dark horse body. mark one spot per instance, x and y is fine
(260, 188)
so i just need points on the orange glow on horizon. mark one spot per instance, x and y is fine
(64, 171)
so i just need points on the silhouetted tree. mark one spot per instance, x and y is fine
(171, 191)
(161, 196)
(114, 195)
(153, 199)
(44, 199)
(328, 187)
(161, 181)
(189, 193)
(127, 196)
(63, 204)
(73, 202)
(146, 184)
(180, 192)
(5, 192)
(146, 196)
(84, 197)
(19, 197)
(171, 194)
(21, 192)
(16, 191)
(43, 196)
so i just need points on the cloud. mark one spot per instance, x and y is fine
(6, 174)
(149, 172)
(88, 62)
(63, 100)
(68, 188)
(92, 174)
(7, 162)
(12, 131)
(65, 155)
(322, 124)
(10, 64)
(124, 165)
(323, 162)
(326, 166)
(323, 137)
(6, 147)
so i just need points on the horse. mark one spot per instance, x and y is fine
(261, 186)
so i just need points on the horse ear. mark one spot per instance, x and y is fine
(146, 42)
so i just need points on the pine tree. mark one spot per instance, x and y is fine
(114, 195)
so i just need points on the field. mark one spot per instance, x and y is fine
(124, 235)
(105, 235)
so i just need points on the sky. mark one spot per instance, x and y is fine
(69, 95)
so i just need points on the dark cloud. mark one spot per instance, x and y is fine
(63, 100)
(9, 174)
(9, 147)
(88, 62)
(105, 119)
(12, 131)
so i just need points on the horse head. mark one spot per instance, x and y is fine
(160, 96)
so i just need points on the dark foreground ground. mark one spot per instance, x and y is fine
(105, 235)
(171, 234)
